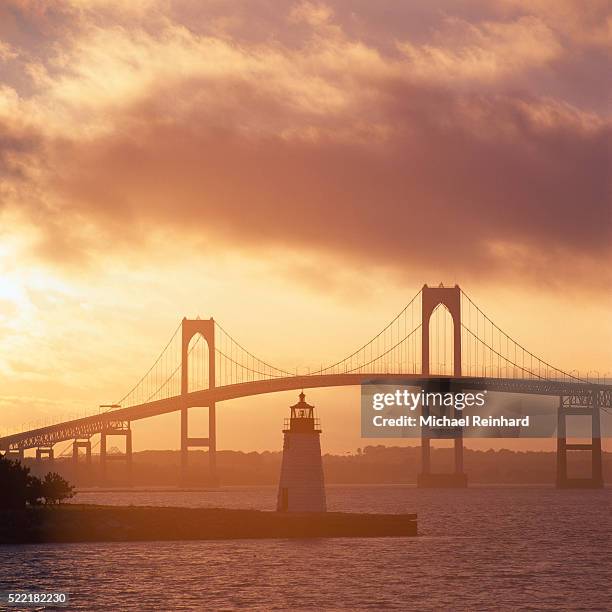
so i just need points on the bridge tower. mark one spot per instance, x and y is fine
(301, 487)
(431, 298)
(206, 328)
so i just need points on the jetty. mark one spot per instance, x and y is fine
(91, 523)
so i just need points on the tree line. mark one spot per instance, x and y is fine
(19, 488)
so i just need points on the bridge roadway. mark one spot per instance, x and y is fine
(88, 426)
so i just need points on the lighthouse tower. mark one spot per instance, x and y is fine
(301, 487)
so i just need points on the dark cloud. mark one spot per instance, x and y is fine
(440, 190)
(493, 167)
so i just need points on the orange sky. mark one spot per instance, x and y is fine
(296, 170)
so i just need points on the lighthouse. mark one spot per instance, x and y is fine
(301, 487)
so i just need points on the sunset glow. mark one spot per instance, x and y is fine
(297, 172)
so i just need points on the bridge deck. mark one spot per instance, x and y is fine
(88, 426)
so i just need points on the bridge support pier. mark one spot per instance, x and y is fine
(428, 479)
(43, 452)
(15, 454)
(76, 468)
(78, 444)
(210, 443)
(120, 428)
(583, 405)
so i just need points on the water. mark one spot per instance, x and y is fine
(494, 548)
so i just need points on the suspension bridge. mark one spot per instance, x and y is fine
(440, 334)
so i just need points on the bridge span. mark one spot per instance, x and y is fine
(415, 348)
(88, 426)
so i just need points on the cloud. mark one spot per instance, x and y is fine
(455, 149)
(484, 52)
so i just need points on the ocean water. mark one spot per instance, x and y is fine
(483, 548)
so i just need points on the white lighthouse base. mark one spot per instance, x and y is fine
(301, 487)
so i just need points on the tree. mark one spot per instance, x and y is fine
(16, 484)
(56, 489)
(34, 491)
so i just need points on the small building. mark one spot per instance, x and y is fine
(301, 487)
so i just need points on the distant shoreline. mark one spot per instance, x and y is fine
(241, 487)
(371, 465)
